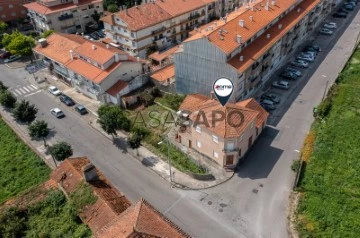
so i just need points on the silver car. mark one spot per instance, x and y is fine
(57, 112)
(282, 84)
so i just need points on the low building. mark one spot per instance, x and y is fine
(112, 215)
(158, 24)
(92, 68)
(12, 10)
(247, 46)
(67, 16)
(220, 133)
(164, 78)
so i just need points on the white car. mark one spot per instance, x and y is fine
(330, 25)
(54, 91)
(325, 31)
(57, 112)
(12, 58)
(306, 58)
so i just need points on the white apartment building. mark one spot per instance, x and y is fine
(68, 16)
(246, 46)
(158, 24)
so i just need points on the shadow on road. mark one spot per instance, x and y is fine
(150, 161)
(255, 165)
(121, 144)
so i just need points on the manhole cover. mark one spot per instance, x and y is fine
(209, 202)
(255, 191)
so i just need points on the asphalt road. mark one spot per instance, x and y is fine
(253, 203)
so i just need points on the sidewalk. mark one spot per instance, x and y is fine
(145, 156)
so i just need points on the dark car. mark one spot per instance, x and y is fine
(288, 75)
(348, 7)
(268, 107)
(101, 34)
(4, 54)
(94, 36)
(66, 100)
(270, 96)
(81, 109)
(340, 15)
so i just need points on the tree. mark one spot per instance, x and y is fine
(2, 86)
(96, 16)
(25, 112)
(47, 33)
(112, 8)
(39, 129)
(111, 119)
(3, 27)
(18, 44)
(135, 141)
(60, 151)
(7, 99)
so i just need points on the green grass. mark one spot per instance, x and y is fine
(20, 167)
(330, 204)
(172, 101)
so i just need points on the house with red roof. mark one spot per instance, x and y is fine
(97, 70)
(221, 133)
(68, 16)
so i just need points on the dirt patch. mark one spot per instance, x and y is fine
(294, 201)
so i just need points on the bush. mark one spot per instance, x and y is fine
(112, 8)
(2, 86)
(295, 165)
(141, 131)
(82, 196)
(7, 99)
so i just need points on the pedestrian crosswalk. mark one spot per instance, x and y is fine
(25, 90)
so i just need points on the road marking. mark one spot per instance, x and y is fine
(33, 86)
(17, 91)
(32, 93)
(27, 90)
(30, 88)
(22, 91)
(297, 151)
(174, 204)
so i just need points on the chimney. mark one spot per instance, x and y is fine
(241, 23)
(238, 39)
(267, 5)
(89, 173)
(251, 18)
(280, 26)
(298, 10)
(117, 57)
(71, 54)
(107, 46)
(138, 59)
(93, 47)
(268, 36)
(212, 95)
(42, 42)
(273, 2)
(241, 58)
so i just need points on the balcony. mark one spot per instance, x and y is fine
(158, 30)
(230, 150)
(266, 55)
(65, 17)
(196, 15)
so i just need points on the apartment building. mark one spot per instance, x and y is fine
(247, 46)
(158, 24)
(97, 70)
(68, 16)
(11, 10)
(220, 133)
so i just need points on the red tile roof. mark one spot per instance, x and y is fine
(92, 51)
(141, 220)
(179, 7)
(262, 44)
(237, 117)
(254, 105)
(164, 73)
(159, 56)
(117, 87)
(44, 10)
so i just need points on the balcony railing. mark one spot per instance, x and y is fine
(65, 16)
(230, 150)
(158, 30)
(196, 15)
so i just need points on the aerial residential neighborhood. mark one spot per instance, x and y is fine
(179, 118)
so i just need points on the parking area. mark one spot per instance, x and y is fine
(285, 84)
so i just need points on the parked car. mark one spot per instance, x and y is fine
(57, 112)
(351, 3)
(300, 63)
(306, 58)
(314, 47)
(325, 31)
(340, 15)
(81, 109)
(94, 36)
(330, 25)
(101, 33)
(54, 91)
(12, 58)
(66, 100)
(310, 53)
(348, 7)
(270, 96)
(268, 107)
(295, 71)
(288, 75)
(4, 54)
(282, 84)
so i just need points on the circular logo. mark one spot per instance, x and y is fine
(223, 87)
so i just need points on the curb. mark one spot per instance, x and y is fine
(175, 184)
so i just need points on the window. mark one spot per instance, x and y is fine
(229, 159)
(230, 146)
(11, 6)
(215, 139)
(198, 129)
(132, 34)
(198, 144)
(91, 6)
(133, 44)
(216, 155)
(239, 152)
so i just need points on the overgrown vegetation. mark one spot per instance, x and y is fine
(330, 184)
(172, 101)
(52, 217)
(20, 167)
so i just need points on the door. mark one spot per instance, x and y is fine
(190, 145)
(179, 138)
(250, 142)
(229, 159)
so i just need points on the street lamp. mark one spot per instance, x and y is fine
(168, 157)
